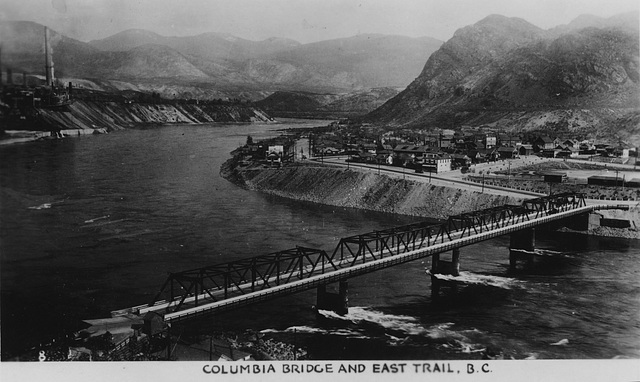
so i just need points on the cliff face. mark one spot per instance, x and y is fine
(507, 72)
(347, 188)
(114, 115)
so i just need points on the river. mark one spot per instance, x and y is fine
(94, 223)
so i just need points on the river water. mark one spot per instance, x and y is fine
(93, 224)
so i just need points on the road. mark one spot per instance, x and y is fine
(448, 179)
(455, 179)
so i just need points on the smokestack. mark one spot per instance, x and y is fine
(24, 79)
(48, 60)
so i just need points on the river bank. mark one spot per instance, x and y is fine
(88, 117)
(317, 183)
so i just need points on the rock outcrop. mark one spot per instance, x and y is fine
(510, 74)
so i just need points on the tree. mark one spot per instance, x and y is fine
(249, 140)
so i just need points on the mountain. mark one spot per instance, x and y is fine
(627, 21)
(363, 61)
(148, 61)
(306, 104)
(510, 74)
(128, 39)
(212, 46)
(366, 60)
(23, 48)
(221, 63)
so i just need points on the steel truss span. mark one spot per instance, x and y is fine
(229, 285)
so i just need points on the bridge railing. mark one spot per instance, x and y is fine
(222, 281)
(216, 282)
(378, 244)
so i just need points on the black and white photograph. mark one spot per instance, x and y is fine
(319, 189)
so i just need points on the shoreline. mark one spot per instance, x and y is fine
(24, 136)
(341, 187)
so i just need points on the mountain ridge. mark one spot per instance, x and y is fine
(505, 72)
(215, 59)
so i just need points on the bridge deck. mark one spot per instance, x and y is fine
(261, 278)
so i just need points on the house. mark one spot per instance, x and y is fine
(507, 152)
(489, 155)
(282, 150)
(475, 156)
(480, 140)
(330, 150)
(447, 139)
(436, 163)
(600, 180)
(544, 143)
(508, 140)
(570, 143)
(432, 140)
(460, 160)
(385, 150)
(410, 153)
(364, 157)
(568, 152)
(369, 147)
(554, 177)
(525, 150)
(490, 141)
(550, 153)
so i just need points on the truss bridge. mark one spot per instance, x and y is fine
(220, 287)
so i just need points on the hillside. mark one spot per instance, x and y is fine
(508, 73)
(23, 48)
(328, 105)
(221, 63)
(366, 60)
(88, 115)
(146, 61)
(212, 46)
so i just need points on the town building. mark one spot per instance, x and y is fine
(436, 163)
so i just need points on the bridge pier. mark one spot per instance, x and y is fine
(444, 267)
(335, 302)
(522, 247)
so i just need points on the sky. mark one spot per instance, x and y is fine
(302, 20)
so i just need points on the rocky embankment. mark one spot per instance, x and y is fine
(347, 188)
(632, 216)
(316, 183)
(117, 115)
